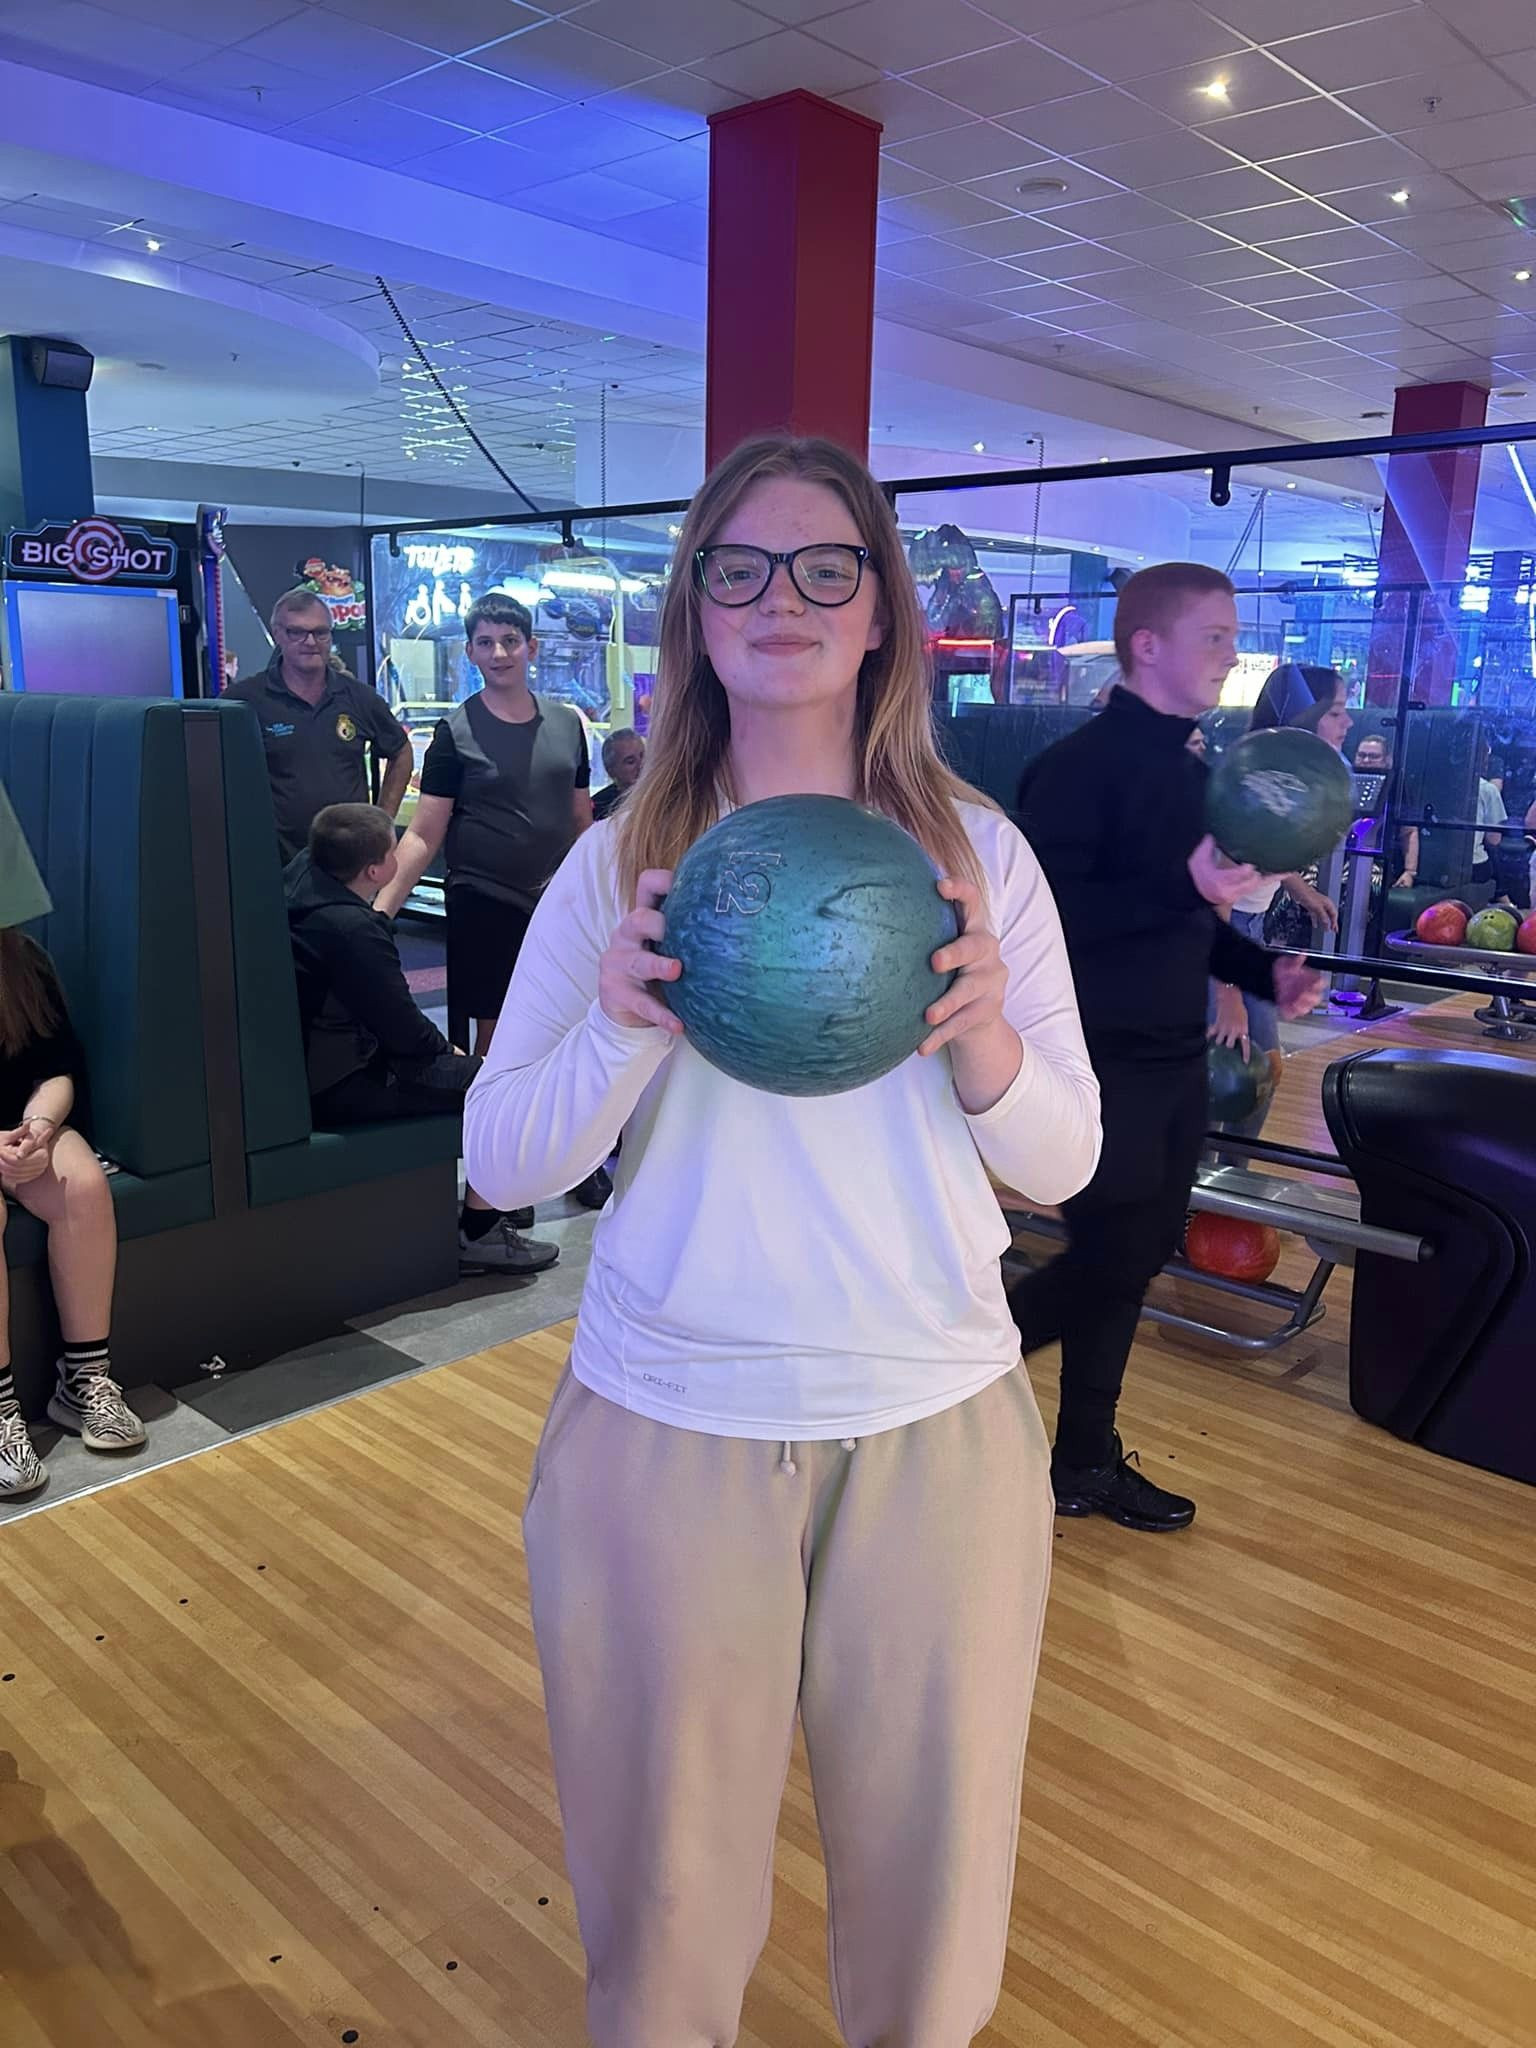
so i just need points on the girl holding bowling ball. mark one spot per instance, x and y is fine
(794, 1465)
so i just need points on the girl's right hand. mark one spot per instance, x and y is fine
(628, 964)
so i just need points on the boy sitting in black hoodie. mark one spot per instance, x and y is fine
(370, 1052)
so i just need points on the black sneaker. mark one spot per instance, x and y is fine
(1127, 1496)
(593, 1192)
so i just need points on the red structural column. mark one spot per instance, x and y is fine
(793, 188)
(1426, 536)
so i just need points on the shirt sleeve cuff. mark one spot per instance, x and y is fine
(624, 1039)
(1011, 1096)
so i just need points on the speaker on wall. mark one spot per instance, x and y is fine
(61, 365)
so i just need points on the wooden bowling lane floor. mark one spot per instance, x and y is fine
(273, 1768)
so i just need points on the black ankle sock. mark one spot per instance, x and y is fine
(476, 1223)
(82, 1363)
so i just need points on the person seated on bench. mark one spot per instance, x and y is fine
(370, 1052)
(47, 1167)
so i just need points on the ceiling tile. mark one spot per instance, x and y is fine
(1088, 120)
(975, 280)
(674, 103)
(1158, 160)
(490, 169)
(591, 196)
(1454, 144)
(1252, 80)
(585, 138)
(1221, 192)
(1369, 52)
(1119, 213)
(930, 213)
(1346, 166)
(785, 62)
(900, 181)
(1002, 81)
(1262, 226)
(1459, 91)
(679, 171)
(1157, 245)
(904, 110)
(1374, 205)
(979, 151)
(325, 43)
(1078, 261)
(921, 257)
(448, 26)
(559, 58)
(1328, 246)
(675, 31)
(672, 230)
(1507, 178)
(1520, 66)
(250, 94)
(1307, 124)
(1004, 238)
(1230, 268)
(1358, 271)
(1136, 41)
(472, 97)
(1493, 26)
(901, 35)
(355, 130)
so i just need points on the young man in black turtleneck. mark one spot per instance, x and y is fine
(1116, 814)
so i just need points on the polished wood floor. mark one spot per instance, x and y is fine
(273, 1767)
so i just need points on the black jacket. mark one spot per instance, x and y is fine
(1113, 812)
(353, 999)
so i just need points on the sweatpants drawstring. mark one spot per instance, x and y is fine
(787, 1463)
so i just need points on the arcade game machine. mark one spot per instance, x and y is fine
(97, 608)
(964, 617)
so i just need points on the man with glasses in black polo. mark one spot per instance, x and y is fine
(317, 722)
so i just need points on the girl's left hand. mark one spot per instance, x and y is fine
(974, 1000)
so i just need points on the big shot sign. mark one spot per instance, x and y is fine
(91, 551)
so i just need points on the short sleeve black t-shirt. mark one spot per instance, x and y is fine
(512, 788)
(317, 753)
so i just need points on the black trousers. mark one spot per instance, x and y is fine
(1121, 1230)
(434, 1087)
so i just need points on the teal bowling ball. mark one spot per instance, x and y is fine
(805, 926)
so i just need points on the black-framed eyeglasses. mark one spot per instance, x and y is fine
(827, 572)
(320, 635)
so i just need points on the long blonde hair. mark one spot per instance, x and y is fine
(898, 766)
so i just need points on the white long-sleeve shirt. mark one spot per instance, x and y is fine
(775, 1266)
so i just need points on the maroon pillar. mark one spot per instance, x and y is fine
(793, 187)
(1426, 536)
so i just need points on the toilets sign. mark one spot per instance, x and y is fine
(91, 551)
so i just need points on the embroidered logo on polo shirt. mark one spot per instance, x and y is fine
(280, 731)
(346, 727)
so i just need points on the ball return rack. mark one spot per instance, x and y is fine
(1232, 1181)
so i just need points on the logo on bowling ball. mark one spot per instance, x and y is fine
(1278, 792)
(745, 887)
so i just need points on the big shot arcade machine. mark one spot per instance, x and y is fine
(101, 608)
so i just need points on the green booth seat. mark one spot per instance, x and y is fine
(243, 1231)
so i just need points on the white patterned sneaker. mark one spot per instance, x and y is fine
(21, 1469)
(101, 1418)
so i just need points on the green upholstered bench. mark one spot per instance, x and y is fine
(287, 1157)
(100, 789)
(242, 1230)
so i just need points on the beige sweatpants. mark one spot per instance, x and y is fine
(689, 1593)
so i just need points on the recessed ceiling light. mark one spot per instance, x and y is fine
(1216, 90)
(1373, 415)
(1103, 458)
(152, 247)
(1290, 487)
(1401, 198)
(978, 447)
(1522, 277)
(1033, 186)
(1510, 394)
